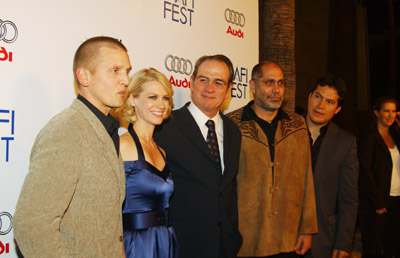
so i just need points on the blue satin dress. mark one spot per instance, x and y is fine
(147, 193)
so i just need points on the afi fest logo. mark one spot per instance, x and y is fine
(241, 80)
(180, 11)
(236, 19)
(179, 65)
(5, 228)
(8, 34)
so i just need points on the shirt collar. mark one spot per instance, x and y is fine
(322, 130)
(109, 122)
(249, 114)
(201, 118)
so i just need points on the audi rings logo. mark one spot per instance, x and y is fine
(178, 65)
(8, 31)
(5, 223)
(234, 17)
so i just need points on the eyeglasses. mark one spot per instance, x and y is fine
(272, 82)
(204, 81)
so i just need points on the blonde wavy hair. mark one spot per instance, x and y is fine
(135, 87)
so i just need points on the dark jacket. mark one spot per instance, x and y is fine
(374, 187)
(375, 168)
(204, 203)
(336, 192)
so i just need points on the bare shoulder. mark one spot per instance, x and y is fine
(127, 147)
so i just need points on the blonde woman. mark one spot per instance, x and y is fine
(147, 227)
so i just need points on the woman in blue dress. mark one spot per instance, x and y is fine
(147, 228)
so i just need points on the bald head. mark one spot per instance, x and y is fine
(257, 71)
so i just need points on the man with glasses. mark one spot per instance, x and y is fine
(202, 147)
(275, 186)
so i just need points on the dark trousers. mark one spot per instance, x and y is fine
(282, 255)
(380, 234)
(391, 244)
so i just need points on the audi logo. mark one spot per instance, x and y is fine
(178, 65)
(5, 29)
(5, 223)
(234, 17)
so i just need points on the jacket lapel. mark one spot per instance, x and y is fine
(327, 144)
(382, 143)
(191, 130)
(109, 151)
(228, 172)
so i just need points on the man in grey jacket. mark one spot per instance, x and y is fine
(335, 170)
(70, 203)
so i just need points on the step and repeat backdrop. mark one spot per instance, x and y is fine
(38, 40)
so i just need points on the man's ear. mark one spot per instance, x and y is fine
(228, 92)
(338, 109)
(83, 76)
(252, 84)
(191, 83)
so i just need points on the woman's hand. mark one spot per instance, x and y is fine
(398, 118)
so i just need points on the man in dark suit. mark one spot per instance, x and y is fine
(204, 203)
(335, 168)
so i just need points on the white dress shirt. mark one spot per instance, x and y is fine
(201, 120)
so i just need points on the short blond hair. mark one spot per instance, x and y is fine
(88, 53)
(135, 87)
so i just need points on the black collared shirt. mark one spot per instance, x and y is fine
(109, 122)
(268, 128)
(317, 144)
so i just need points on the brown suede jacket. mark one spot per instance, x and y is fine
(275, 199)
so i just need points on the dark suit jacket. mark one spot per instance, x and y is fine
(375, 180)
(204, 203)
(375, 169)
(336, 192)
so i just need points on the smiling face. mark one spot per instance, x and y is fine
(105, 85)
(322, 105)
(386, 115)
(210, 87)
(152, 104)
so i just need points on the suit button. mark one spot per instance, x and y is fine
(121, 239)
(275, 213)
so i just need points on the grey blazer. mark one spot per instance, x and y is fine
(336, 192)
(70, 203)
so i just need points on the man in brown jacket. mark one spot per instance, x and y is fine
(70, 203)
(275, 186)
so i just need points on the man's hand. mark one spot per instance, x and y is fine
(339, 254)
(303, 244)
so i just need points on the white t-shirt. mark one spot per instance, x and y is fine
(395, 182)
